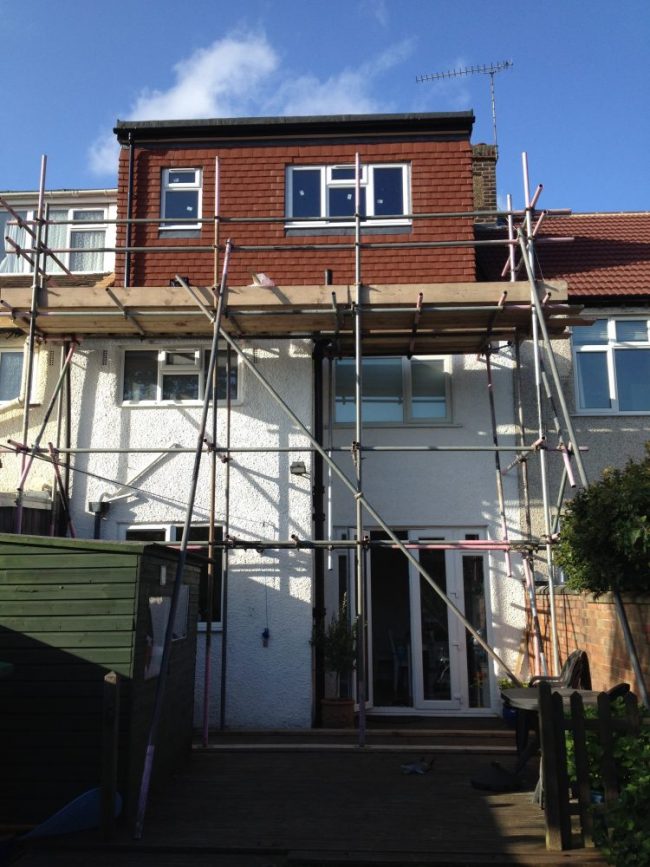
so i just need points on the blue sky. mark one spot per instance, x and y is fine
(577, 98)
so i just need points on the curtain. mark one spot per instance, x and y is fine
(11, 263)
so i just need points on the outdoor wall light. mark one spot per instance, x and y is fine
(298, 468)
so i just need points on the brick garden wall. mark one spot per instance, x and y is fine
(585, 623)
(252, 183)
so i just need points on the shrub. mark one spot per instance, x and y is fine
(605, 537)
(623, 831)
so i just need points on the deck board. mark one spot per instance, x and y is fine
(286, 807)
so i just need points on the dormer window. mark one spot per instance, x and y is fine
(325, 195)
(180, 207)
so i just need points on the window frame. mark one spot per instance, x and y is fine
(22, 265)
(70, 225)
(408, 420)
(74, 226)
(165, 187)
(609, 349)
(199, 369)
(17, 351)
(328, 182)
(169, 530)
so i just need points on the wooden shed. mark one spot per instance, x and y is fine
(72, 610)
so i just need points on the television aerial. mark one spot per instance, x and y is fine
(490, 69)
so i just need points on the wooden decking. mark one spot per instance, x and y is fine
(281, 804)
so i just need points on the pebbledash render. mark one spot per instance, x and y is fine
(300, 176)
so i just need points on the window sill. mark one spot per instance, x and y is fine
(179, 233)
(170, 404)
(397, 425)
(297, 230)
(201, 626)
(609, 413)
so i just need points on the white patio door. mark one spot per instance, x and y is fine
(420, 655)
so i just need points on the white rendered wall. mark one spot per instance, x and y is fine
(449, 490)
(268, 686)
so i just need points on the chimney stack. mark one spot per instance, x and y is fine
(484, 175)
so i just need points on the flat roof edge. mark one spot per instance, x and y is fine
(443, 122)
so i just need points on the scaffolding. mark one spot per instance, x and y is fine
(341, 320)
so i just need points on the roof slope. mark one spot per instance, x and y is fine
(608, 256)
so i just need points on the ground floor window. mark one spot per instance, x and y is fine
(174, 375)
(11, 372)
(198, 534)
(395, 390)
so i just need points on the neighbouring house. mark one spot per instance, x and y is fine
(605, 369)
(317, 224)
(81, 223)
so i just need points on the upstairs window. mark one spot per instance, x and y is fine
(76, 230)
(612, 366)
(395, 391)
(325, 195)
(180, 206)
(10, 261)
(80, 231)
(176, 375)
(11, 372)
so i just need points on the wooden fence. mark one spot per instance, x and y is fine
(562, 799)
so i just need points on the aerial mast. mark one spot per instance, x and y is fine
(487, 69)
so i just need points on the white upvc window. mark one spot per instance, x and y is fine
(612, 366)
(395, 390)
(11, 374)
(174, 375)
(325, 195)
(180, 205)
(80, 231)
(199, 534)
(10, 261)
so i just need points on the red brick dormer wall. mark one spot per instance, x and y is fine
(252, 183)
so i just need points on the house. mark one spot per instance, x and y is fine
(605, 260)
(347, 246)
(81, 225)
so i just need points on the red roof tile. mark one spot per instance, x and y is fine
(609, 255)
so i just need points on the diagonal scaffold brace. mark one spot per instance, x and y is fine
(182, 559)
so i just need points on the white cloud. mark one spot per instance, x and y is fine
(103, 155)
(240, 75)
(348, 92)
(223, 80)
(378, 9)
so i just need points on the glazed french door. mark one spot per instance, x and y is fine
(420, 655)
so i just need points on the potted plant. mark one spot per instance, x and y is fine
(337, 642)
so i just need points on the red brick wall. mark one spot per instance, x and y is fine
(252, 183)
(585, 623)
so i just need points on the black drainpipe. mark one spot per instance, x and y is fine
(129, 208)
(98, 509)
(318, 492)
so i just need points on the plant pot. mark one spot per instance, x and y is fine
(509, 715)
(337, 713)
